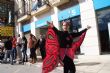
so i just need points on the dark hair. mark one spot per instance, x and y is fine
(18, 35)
(31, 34)
(67, 22)
(23, 37)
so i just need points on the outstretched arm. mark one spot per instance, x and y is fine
(80, 33)
(53, 27)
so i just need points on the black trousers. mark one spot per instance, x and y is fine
(69, 66)
(33, 53)
(43, 53)
(25, 58)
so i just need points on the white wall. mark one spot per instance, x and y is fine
(54, 17)
(90, 45)
(33, 30)
(19, 29)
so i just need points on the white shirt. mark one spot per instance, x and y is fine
(19, 40)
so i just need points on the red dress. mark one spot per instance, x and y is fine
(55, 54)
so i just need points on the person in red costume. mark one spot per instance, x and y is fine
(61, 48)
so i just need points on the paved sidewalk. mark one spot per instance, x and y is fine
(87, 64)
(93, 64)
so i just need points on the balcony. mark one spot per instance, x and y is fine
(57, 2)
(40, 8)
(23, 16)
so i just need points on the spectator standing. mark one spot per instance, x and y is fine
(41, 45)
(8, 50)
(19, 53)
(24, 49)
(32, 45)
(14, 52)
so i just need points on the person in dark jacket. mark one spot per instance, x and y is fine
(24, 49)
(8, 49)
(65, 42)
(41, 45)
(1, 51)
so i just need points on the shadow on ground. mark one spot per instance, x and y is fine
(88, 64)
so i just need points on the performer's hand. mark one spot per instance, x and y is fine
(50, 24)
(88, 27)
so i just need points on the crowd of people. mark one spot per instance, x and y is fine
(15, 49)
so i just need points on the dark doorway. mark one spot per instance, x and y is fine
(103, 17)
(76, 24)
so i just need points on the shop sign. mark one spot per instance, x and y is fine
(42, 22)
(98, 4)
(6, 31)
(68, 13)
(26, 27)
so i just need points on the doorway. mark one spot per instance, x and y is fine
(103, 17)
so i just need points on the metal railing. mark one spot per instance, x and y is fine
(19, 14)
(37, 5)
(24, 10)
(27, 8)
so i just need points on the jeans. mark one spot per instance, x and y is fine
(25, 59)
(14, 53)
(19, 53)
(9, 54)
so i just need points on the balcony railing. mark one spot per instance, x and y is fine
(23, 16)
(40, 7)
(23, 13)
(38, 4)
(26, 10)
